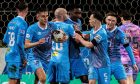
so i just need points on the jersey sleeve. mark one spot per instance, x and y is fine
(98, 38)
(128, 48)
(29, 34)
(71, 30)
(123, 38)
(80, 24)
(21, 40)
(5, 40)
(131, 55)
(10, 28)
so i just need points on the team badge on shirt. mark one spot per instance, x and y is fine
(97, 38)
(27, 35)
(126, 40)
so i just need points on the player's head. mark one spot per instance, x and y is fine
(22, 8)
(75, 12)
(42, 15)
(61, 14)
(111, 20)
(95, 19)
(125, 16)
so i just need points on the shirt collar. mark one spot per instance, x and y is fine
(20, 17)
(41, 27)
(97, 30)
(113, 29)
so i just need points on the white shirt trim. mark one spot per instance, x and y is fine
(97, 30)
(41, 27)
(113, 29)
(20, 17)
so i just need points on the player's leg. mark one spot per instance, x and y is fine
(41, 75)
(14, 72)
(12, 81)
(130, 79)
(38, 69)
(79, 70)
(72, 69)
(84, 79)
(129, 73)
(104, 75)
(93, 75)
(36, 79)
(135, 74)
(119, 72)
(18, 81)
(63, 72)
(122, 81)
(93, 81)
(51, 74)
(82, 71)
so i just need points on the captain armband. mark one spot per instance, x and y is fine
(126, 45)
(94, 42)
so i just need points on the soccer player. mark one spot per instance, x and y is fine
(38, 39)
(59, 67)
(77, 67)
(14, 38)
(75, 15)
(132, 32)
(84, 51)
(116, 38)
(99, 68)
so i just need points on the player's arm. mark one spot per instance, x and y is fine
(29, 44)
(126, 45)
(129, 50)
(131, 55)
(72, 30)
(28, 40)
(84, 42)
(5, 40)
(86, 35)
(20, 43)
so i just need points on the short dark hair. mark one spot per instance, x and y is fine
(98, 15)
(111, 13)
(21, 6)
(74, 6)
(126, 15)
(41, 9)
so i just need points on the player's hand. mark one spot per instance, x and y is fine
(77, 37)
(77, 41)
(86, 36)
(135, 67)
(41, 41)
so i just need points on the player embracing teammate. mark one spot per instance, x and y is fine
(62, 57)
